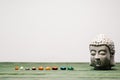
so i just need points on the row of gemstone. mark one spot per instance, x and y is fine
(44, 68)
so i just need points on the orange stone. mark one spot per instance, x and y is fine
(16, 67)
(40, 68)
(47, 68)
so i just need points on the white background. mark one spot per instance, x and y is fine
(55, 30)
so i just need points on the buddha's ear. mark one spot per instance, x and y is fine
(112, 62)
(113, 52)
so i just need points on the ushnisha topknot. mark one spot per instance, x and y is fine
(102, 39)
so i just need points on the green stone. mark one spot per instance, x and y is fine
(70, 68)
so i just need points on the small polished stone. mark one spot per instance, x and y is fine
(54, 68)
(63, 68)
(21, 68)
(48, 68)
(70, 68)
(16, 67)
(33, 68)
(40, 68)
(27, 68)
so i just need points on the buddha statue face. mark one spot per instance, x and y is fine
(102, 53)
(100, 56)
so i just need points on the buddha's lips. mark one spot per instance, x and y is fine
(98, 63)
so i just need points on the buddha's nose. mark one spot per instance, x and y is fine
(97, 57)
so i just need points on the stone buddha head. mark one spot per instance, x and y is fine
(102, 53)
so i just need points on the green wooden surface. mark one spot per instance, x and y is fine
(82, 71)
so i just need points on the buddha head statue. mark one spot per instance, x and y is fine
(102, 53)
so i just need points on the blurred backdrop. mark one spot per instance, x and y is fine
(55, 30)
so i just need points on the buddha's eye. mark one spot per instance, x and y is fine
(93, 52)
(102, 52)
